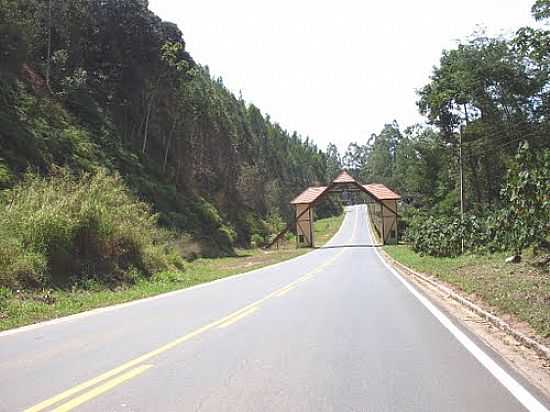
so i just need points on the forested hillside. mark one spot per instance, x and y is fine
(86, 85)
(493, 94)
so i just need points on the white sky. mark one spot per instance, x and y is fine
(336, 71)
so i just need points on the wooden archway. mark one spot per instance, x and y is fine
(382, 207)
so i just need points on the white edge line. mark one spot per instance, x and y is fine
(514, 387)
(117, 306)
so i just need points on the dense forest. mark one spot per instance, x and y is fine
(108, 84)
(490, 99)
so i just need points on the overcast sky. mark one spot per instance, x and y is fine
(338, 70)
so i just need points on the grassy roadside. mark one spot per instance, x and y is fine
(521, 290)
(26, 307)
(324, 229)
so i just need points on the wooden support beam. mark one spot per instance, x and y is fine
(383, 231)
(333, 188)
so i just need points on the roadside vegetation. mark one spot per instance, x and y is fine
(325, 228)
(487, 104)
(521, 290)
(67, 231)
(26, 305)
(521, 221)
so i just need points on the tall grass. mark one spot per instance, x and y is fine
(64, 230)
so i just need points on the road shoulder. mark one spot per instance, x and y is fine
(529, 363)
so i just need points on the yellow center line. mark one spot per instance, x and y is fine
(285, 291)
(145, 357)
(85, 385)
(238, 317)
(132, 373)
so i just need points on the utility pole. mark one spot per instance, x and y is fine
(461, 188)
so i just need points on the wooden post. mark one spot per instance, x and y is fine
(304, 221)
(383, 231)
(396, 224)
(311, 240)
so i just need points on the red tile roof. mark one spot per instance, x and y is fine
(343, 177)
(377, 190)
(381, 192)
(309, 195)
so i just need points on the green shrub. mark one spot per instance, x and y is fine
(6, 177)
(273, 224)
(20, 268)
(5, 295)
(228, 233)
(62, 230)
(522, 221)
(442, 235)
(257, 240)
(525, 218)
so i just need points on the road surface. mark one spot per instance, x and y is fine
(333, 330)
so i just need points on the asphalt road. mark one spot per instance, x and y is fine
(333, 330)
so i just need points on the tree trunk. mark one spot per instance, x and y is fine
(168, 143)
(147, 117)
(466, 116)
(475, 180)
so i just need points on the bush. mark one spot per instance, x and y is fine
(20, 268)
(442, 235)
(62, 230)
(523, 220)
(5, 296)
(6, 177)
(258, 240)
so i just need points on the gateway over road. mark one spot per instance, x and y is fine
(382, 207)
(332, 330)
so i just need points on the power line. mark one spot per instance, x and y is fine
(499, 143)
(485, 154)
(483, 140)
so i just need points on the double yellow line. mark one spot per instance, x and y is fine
(134, 363)
(238, 317)
(132, 373)
(137, 366)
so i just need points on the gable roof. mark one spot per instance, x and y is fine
(343, 177)
(381, 192)
(376, 190)
(309, 195)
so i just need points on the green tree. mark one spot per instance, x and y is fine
(525, 217)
